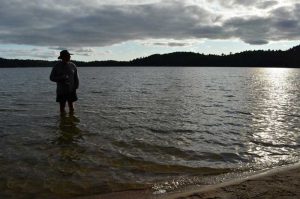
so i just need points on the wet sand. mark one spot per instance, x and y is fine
(283, 183)
(276, 183)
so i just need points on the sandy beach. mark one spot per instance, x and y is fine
(276, 183)
(280, 183)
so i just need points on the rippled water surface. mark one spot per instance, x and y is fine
(139, 127)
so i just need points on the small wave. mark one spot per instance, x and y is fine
(2, 134)
(182, 155)
(12, 110)
(234, 124)
(207, 113)
(128, 107)
(137, 164)
(25, 104)
(161, 131)
(234, 132)
(292, 115)
(146, 92)
(213, 125)
(229, 96)
(238, 112)
(217, 105)
(151, 84)
(223, 89)
(215, 142)
(97, 92)
(232, 157)
(267, 144)
(183, 131)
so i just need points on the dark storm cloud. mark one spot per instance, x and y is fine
(104, 25)
(253, 30)
(60, 23)
(280, 24)
(110, 24)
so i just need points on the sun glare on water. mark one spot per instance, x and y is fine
(273, 106)
(276, 70)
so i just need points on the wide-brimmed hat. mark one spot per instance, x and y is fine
(63, 53)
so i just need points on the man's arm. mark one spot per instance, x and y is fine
(57, 78)
(76, 79)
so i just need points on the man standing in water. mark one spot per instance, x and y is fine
(65, 75)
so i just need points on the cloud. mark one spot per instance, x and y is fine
(280, 24)
(267, 4)
(76, 50)
(91, 23)
(102, 25)
(263, 4)
(171, 44)
(28, 53)
(252, 30)
(106, 52)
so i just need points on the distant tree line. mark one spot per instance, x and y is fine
(257, 58)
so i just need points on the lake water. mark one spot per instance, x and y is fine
(144, 127)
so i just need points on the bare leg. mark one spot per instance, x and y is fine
(71, 107)
(62, 106)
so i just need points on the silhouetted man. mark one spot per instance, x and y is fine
(65, 75)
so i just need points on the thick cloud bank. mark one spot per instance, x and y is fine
(88, 23)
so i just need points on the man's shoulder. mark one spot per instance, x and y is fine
(58, 64)
(71, 64)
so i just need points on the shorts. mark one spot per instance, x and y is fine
(67, 97)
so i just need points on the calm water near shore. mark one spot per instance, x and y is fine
(144, 127)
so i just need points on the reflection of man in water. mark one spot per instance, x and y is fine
(68, 151)
(69, 133)
(65, 75)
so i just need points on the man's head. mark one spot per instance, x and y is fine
(65, 56)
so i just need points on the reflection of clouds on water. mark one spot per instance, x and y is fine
(274, 134)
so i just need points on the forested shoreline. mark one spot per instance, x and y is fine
(257, 58)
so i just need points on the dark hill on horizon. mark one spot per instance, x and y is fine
(269, 58)
(257, 58)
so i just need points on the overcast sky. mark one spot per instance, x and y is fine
(127, 29)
